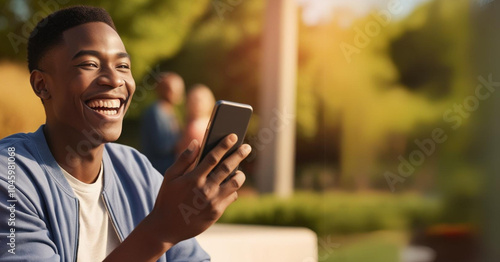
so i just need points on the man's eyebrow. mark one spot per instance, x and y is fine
(85, 52)
(123, 55)
(97, 54)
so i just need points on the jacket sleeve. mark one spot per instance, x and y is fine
(23, 234)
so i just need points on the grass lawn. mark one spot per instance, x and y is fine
(381, 246)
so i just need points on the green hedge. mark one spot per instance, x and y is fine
(336, 213)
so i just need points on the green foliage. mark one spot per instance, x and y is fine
(151, 30)
(336, 213)
(223, 52)
(462, 195)
(399, 83)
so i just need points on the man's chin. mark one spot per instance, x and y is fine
(103, 135)
(111, 138)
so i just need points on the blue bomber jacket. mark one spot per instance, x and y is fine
(39, 211)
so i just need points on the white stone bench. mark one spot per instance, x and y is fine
(248, 243)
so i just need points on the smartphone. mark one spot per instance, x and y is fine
(227, 118)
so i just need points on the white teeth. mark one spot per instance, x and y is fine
(107, 112)
(104, 103)
(105, 106)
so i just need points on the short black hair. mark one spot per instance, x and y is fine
(48, 32)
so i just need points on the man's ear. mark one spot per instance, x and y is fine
(39, 85)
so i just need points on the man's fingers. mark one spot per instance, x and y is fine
(230, 186)
(212, 159)
(229, 164)
(183, 162)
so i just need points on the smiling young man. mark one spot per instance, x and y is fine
(67, 193)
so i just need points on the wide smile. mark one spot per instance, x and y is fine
(106, 107)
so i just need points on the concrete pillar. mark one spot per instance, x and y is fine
(276, 137)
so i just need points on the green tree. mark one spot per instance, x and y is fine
(152, 30)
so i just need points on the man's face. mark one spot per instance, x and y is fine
(89, 81)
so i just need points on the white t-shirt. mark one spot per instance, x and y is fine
(97, 237)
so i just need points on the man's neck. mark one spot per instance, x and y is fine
(74, 152)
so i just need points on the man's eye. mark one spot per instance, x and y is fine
(124, 66)
(89, 65)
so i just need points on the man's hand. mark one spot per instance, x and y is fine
(190, 201)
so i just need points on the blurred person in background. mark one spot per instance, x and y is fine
(199, 105)
(160, 128)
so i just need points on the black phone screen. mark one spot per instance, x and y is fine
(227, 117)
